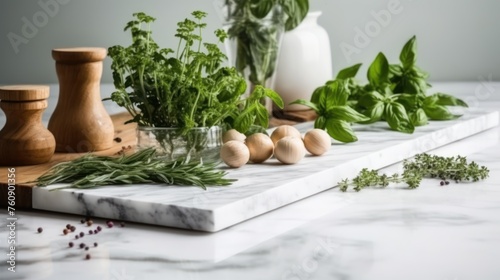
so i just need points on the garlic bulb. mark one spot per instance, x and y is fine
(317, 141)
(234, 153)
(284, 131)
(233, 134)
(261, 147)
(289, 150)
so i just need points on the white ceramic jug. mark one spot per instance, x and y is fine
(304, 62)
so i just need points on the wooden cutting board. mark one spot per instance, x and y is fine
(127, 135)
(23, 174)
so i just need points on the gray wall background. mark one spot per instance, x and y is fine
(459, 40)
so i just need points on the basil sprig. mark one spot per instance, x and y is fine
(395, 93)
(334, 115)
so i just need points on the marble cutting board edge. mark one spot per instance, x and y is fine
(211, 211)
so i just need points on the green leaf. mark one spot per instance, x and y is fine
(316, 96)
(345, 113)
(370, 99)
(419, 118)
(320, 122)
(397, 118)
(439, 113)
(431, 100)
(375, 112)
(306, 103)
(408, 55)
(296, 10)
(378, 73)
(448, 100)
(275, 97)
(336, 93)
(410, 101)
(340, 130)
(349, 72)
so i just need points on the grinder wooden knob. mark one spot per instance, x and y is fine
(23, 139)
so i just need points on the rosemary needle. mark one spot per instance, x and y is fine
(142, 167)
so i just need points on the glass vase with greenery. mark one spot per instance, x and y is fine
(183, 89)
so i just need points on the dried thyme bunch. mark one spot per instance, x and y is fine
(423, 165)
(142, 167)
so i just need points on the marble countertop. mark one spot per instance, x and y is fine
(433, 232)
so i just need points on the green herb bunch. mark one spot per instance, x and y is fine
(183, 89)
(142, 167)
(395, 93)
(256, 25)
(422, 166)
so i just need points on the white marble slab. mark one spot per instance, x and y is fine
(260, 188)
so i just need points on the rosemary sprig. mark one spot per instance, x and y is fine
(142, 167)
(423, 165)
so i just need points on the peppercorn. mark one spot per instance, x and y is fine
(447, 182)
(39, 230)
(65, 231)
(82, 245)
(110, 224)
(99, 228)
(89, 223)
(76, 236)
(68, 226)
(96, 231)
(118, 140)
(87, 257)
(71, 244)
(73, 228)
(95, 244)
(91, 231)
(122, 224)
(442, 183)
(86, 248)
(82, 221)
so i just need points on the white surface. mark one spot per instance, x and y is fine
(433, 232)
(260, 187)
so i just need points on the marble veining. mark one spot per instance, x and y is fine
(260, 188)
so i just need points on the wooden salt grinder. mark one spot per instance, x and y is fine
(80, 123)
(23, 139)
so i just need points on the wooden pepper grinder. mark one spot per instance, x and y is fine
(23, 139)
(80, 123)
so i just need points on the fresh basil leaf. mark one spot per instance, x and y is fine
(395, 70)
(370, 99)
(408, 55)
(262, 116)
(378, 73)
(397, 118)
(316, 96)
(245, 120)
(296, 11)
(409, 101)
(439, 113)
(375, 112)
(320, 122)
(349, 72)
(306, 103)
(419, 118)
(448, 100)
(345, 113)
(336, 93)
(430, 100)
(275, 97)
(340, 130)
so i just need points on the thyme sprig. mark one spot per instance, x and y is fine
(142, 167)
(422, 166)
